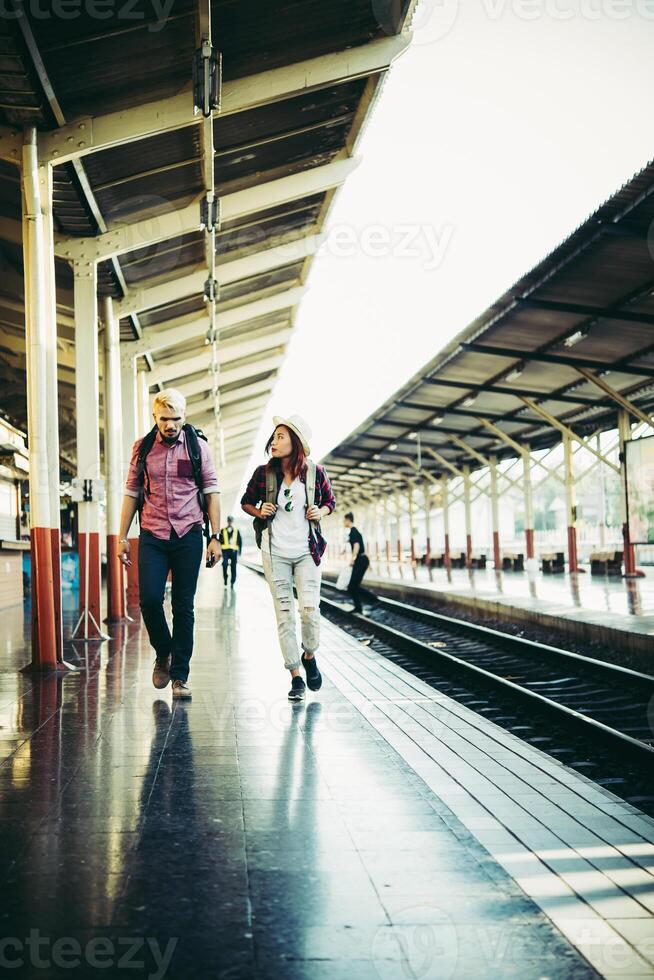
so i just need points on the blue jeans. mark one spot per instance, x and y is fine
(182, 557)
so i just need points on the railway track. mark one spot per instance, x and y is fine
(612, 704)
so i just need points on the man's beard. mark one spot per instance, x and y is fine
(170, 440)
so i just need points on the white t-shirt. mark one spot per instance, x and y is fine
(290, 528)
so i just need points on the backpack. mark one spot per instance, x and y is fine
(272, 490)
(193, 448)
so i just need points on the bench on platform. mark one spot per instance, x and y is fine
(606, 563)
(513, 561)
(478, 561)
(553, 562)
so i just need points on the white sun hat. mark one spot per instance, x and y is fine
(299, 427)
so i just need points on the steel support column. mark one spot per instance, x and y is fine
(495, 511)
(411, 515)
(387, 529)
(529, 501)
(144, 415)
(52, 398)
(398, 521)
(130, 429)
(624, 433)
(446, 521)
(427, 505)
(45, 636)
(468, 514)
(113, 452)
(87, 400)
(571, 506)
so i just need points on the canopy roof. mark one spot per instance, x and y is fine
(571, 341)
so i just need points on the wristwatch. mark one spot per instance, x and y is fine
(215, 537)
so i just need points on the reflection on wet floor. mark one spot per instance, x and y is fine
(236, 835)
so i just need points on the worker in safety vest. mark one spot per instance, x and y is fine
(231, 544)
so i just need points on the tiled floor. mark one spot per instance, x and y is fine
(377, 831)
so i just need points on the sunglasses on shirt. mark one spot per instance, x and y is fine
(288, 506)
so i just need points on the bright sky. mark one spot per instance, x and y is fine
(491, 142)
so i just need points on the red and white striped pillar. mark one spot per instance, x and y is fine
(427, 507)
(387, 529)
(38, 340)
(571, 504)
(113, 459)
(87, 396)
(529, 501)
(411, 527)
(495, 511)
(130, 430)
(52, 398)
(624, 433)
(144, 414)
(468, 514)
(445, 497)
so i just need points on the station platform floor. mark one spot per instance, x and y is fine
(377, 831)
(615, 612)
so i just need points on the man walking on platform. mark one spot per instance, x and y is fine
(359, 561)
(172, 482)
(231, 544)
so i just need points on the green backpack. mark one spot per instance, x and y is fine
(272, 490)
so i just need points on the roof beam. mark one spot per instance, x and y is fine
(500, 390)
(573, 362)
(444, 462)
(91, 134)
(566, 431)
(163, 373)
(596, 312)
(131, 236)
(229, 272)
(154, 338)
(246, 392)
(616, 396)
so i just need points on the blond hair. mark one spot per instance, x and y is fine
(171, 399)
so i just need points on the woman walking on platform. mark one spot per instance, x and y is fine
(288, 496)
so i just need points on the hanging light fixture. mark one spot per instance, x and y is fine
(207, 79)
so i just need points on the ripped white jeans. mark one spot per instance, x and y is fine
(281, 574)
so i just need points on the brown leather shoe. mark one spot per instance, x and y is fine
(160, 672)
(181, 689)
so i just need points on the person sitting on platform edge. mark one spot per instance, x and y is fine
(359, 561)
(171, 476)
(287, 497)
(231, 544)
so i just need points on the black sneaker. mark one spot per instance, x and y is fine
(297, 690)
(314, 677)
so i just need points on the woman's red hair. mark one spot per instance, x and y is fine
(297, 454)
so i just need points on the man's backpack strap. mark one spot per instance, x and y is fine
(193, 448)
(147, 442)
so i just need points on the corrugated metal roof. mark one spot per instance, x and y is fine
(598, 281)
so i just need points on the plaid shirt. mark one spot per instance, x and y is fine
(255, 495)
